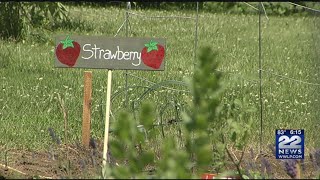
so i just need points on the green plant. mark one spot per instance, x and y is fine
(40, 13)
(129, 145)
(200, 122)
(272, 8)
(18, 18)
(174, 162)
(12, 24)
(5, 58)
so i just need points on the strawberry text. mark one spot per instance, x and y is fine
(98, 53)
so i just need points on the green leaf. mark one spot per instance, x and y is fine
(122, 172)
(220, 147)
(251, 109)
(125, 128)
(117, 148)
(239, 145)
(237, 102)
(147, 115)
(202, 155)
(245, 177)
(147, 158)
(67, 42)
(152, 45)
(234, 137)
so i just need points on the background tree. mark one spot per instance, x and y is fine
(18, 18)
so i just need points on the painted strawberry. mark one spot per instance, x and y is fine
(68, 52)
(152, 54)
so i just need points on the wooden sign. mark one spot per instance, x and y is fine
(99, 52)
(107, 53)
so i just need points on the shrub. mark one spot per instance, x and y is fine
(204, 134)
(18, 18)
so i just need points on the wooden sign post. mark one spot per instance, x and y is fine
(106, 129)
(98, 52)
(86, 116)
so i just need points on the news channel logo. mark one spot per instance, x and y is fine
(289, 144)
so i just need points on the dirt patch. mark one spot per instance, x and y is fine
(75, 161)
(60, 161)
(258, 161)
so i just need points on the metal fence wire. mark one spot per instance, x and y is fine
(262, 73)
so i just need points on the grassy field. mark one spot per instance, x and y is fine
(30, 85)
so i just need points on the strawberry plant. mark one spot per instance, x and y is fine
(175, 161)
(205, 135)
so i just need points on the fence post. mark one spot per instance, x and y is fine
(196, 36)
(128, 7)
(260, 78)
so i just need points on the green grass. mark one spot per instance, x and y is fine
(30, 84)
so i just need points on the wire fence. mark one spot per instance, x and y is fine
(262, 72)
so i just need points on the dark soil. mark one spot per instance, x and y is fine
(75, 161)
(60, 162)
(254, 162)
